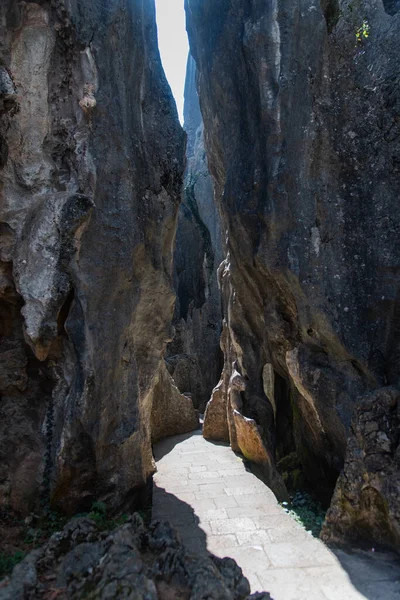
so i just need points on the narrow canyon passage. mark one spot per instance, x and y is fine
(235, 255)
(204, 490)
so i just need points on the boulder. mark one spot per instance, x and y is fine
(365, 505)
(131, 561)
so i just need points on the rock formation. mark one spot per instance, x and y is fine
(172, 412)
(366, 504)
(89, 196)
(300, 102)
(133, 561)
(194, 356)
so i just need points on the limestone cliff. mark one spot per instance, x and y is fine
(89, 196)
(300, 101)
(195, 358)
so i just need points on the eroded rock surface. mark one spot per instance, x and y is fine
(194, 356)
(89, 196)
(172, 412)
(365, 505)
(132, 561)
(300, 102)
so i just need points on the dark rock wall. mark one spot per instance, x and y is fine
(195, 358)
(300, 102)
(89, 195)
(366, 504)
(131, 560)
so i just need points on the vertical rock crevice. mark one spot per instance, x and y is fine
(194, 357)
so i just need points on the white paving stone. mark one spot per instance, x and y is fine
(204, 490)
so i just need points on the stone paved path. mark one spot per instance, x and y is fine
(204, 490)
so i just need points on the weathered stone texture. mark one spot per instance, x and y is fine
(365, 505)
(133, 561)
(194, 356)
(172, 412)
(89, 195)
(302, 133)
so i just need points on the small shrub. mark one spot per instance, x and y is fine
(99, 508)
(363, 32)
(98, 514)
(8, 562)
(307, 512)
(50, 522)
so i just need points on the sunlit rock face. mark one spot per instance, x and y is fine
(89, 197)
(194, 356)
(300, 102)
(172, 412)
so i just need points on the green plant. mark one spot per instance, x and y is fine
(33, 537)
(42, 528)
(51, 521)
(99, 508)
(8, 562)
(145, 514)
(363, 32)
(121, 520)
(99, 514)
(307, 512)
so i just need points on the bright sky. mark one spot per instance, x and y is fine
(174, 47)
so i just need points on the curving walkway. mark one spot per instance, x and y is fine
(204, 490)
